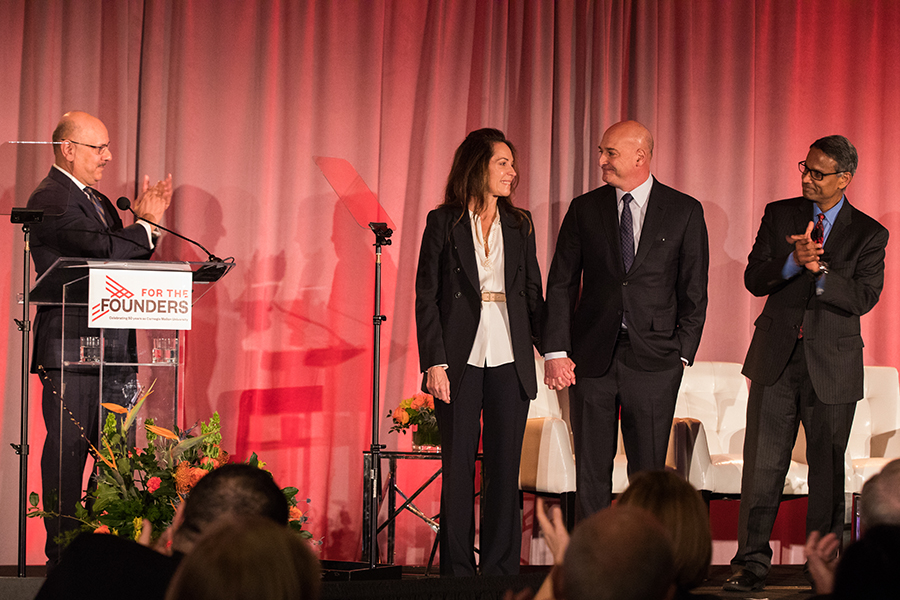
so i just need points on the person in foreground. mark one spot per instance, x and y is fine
(79, 222)
(868, 569)
(99, 566)
(674, 504)
(626, 303)
(820, 262)
(685, 517)
(879, 507)
(619, 553)
(248, 557)
(478, 306)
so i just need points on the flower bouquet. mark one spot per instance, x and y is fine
(133, 484)
(418, 412)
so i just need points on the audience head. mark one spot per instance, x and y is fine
(230, 491)
(248, 557)
(868, 568)
(683, 513)
(880, 502)
(620, 553)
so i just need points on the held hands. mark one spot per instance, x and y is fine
(154, 200)
(559, 373)
(438, 384)
(806, 252)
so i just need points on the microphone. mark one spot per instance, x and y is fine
(125, 204)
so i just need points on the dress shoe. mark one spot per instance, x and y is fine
(744, 581)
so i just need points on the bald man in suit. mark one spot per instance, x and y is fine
(79, 222)
(626, 303)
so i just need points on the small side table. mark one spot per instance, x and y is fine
(391, 490)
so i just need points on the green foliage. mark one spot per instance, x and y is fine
(134, 483)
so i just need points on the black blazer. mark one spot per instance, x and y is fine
(448, 294)
(663, 295)
(72, 228)
(833, 345)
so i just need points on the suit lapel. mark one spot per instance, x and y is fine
(802, 217)
(512, 247)
(609, 217)
(462, 240)
(839, 228)
(79, 198)
(653, 219)
(102, 201)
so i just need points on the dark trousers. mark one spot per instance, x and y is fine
(773, 416)
(647, 403)
(494, 394)
(66, 446)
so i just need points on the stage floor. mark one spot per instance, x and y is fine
(786, 582)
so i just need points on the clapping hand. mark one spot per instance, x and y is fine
(154, 200)
(806, 251)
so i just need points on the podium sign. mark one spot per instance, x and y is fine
(132, 299)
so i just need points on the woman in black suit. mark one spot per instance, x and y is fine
(478, 305)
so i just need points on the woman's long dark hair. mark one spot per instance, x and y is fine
(469, 174)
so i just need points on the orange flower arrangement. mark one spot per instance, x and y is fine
(417, 410)
(134, 483)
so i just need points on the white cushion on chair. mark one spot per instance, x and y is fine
(875, 435)
(548, 463)
(716, 394)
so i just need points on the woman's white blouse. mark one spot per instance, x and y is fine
(493, 343)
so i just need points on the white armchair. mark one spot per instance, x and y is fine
(875, 435)
(548, 461)
(715, 394)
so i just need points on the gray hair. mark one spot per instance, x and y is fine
(841, 150)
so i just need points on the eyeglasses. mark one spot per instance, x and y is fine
(99, 149)
(815, 175)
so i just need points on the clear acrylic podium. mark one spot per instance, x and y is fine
(125, 361)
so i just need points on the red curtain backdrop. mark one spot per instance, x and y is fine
(236, 98)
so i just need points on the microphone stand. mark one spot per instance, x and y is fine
(26, 217)
(125, 204)
(382, 238)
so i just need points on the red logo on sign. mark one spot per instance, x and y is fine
(116, 290)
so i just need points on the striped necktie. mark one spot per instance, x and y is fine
(96, 202)
(626, 232)
(818, 232)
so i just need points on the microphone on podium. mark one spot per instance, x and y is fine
(125, 204)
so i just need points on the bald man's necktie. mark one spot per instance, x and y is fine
(626, 232)
(97, 205)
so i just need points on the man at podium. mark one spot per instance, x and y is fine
(79, 222)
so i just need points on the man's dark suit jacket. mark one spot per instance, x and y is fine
(663, 295)
(833, 345)
(448, 294)
(73, 228)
